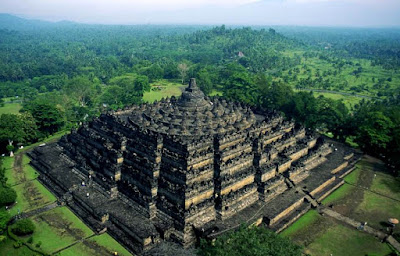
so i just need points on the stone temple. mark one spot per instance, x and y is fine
(182, 169)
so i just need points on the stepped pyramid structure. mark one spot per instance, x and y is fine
(180, 169)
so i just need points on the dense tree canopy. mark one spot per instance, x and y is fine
(48, 117)
(252, 241)
(66, 74)
(17, 129)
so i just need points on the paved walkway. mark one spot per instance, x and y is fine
(38, 210)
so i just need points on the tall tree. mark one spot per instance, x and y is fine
(17, 129)
(81, 89)
(49, 118)
(374, 133)
(204, 81)
(183, 69)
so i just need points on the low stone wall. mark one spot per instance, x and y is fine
(322, 186)
(328, 192)
(299, 177)
(347, 172)
(292, 219)
(284, 213)
(349, 156)
(340, 167)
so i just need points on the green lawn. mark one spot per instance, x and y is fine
(108, 242)
(29, 173)
(215, 92)
(305, 220)
(338, 194)
(322, 235)
(349, 101)
(162, 89)
(376, 210)
(103, 244)
(8, 163)
(386, 184)
(31, 195)
(7, 249)
(58, 228)
(354, 175)
(374, 200)
(341, 79)
(342, 240)
(10, 108)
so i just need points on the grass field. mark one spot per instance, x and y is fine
(374, 197)
(7, 249)
(306, 220)
(349, 101)
(342, 240)
(58, 228)
(8, 162)
(342, 79)
(10, 108)
(31, 195)
(324, 236)
(359, 199)
(386, 185)
(339, 194)
(162, 89)
(215, 92)
(103, 244)
(14, 178)
(29, 173)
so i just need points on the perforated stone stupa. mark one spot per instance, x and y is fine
(181, 169)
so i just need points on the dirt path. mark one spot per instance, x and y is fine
(18, 169)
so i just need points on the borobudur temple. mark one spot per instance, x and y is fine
(181, 169)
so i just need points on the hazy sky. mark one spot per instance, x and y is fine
(246, 12)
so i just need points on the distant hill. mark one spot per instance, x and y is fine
(11, 22)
